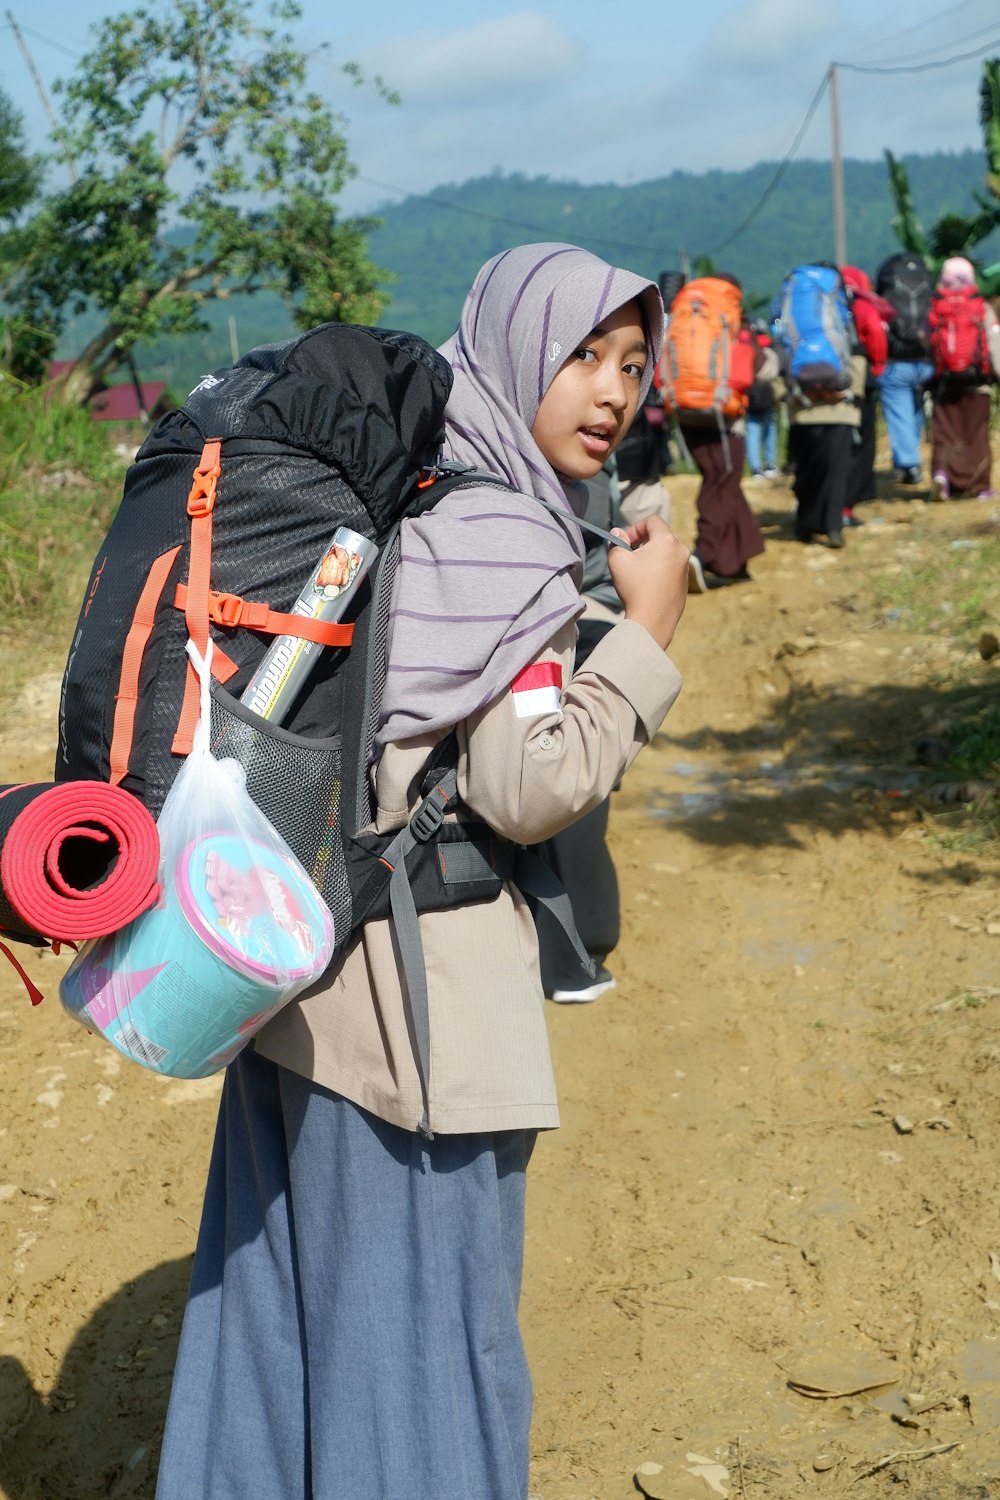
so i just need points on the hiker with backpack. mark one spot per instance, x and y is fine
(870, 314)
(352, 1322)
(965, 349)
(904, 281)
(824, 387)
(710, 361)
(762, 417)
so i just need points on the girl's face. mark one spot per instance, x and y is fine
(589, 406)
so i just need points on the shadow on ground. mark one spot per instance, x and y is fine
(822, 759)
(97, 1433)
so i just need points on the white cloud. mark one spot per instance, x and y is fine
(519, 92)
(503, 58)
(774, 35)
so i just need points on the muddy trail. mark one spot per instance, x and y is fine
(764, 1248)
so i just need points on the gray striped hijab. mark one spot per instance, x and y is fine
(488, 577)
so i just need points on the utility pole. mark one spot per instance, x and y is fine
(839, 226)
(39, 86)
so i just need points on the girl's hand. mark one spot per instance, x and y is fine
(652, 579)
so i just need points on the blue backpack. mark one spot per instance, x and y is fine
(815, 329)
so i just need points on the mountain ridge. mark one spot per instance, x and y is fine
(432, 244)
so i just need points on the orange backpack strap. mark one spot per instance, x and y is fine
(201, 503)
(230, 610)
(127, 696)
(201, 604)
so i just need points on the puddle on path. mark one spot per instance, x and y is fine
(711, 791)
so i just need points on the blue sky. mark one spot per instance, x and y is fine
(573, 90)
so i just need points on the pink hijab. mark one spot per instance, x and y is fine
(488, 576)
(956, 274)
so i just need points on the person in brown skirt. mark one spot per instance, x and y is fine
(728, 534)
(965, 344)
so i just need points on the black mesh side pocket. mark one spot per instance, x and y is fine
(296, 783)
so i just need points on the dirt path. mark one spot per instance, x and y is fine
(779, 1153)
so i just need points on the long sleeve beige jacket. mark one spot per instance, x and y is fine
(527, 776)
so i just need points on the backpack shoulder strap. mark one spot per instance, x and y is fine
(461, 479)
(201, 503)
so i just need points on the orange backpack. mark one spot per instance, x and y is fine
(707, 367)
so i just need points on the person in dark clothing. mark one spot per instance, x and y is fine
(824, 432)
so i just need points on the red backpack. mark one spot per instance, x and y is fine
(959, 349)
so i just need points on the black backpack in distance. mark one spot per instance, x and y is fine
(670, 283)
(905, 281)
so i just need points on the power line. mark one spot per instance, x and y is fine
(76, 56)
(782, 167)
(956, 41)
(814, 105)
(938, 16)
(944, 62)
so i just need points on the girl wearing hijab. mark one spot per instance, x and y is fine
(961, 460)
(352, 1326)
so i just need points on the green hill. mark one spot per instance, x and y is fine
(433, 245)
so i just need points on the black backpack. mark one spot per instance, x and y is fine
(670, 283)
(905, 281)
(230, 504)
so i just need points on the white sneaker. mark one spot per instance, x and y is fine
(696, 575)
(602, 982)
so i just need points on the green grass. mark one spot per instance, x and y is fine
(60, 482)
(974, 745)
(955, 592)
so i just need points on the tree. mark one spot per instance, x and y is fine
(26, 340)
(20, 173)
(203, 167)
(953, 233)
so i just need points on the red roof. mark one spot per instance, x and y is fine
(115, 403)
(119, 403)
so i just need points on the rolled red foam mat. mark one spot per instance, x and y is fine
(78, 860)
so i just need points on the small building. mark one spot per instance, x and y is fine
(121, 402)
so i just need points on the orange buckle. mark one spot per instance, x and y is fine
(201, 499)
(225, 609)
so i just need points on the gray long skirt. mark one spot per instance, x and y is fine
(351, 1329)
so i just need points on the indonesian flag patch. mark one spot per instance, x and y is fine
(537, 689)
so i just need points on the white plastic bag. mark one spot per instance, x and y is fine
(239, 930)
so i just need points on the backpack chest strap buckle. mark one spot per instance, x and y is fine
(430, 814)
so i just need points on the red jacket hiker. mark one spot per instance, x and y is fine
(871, 315)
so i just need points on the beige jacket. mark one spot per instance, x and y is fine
(527, 777)
(837, 413)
